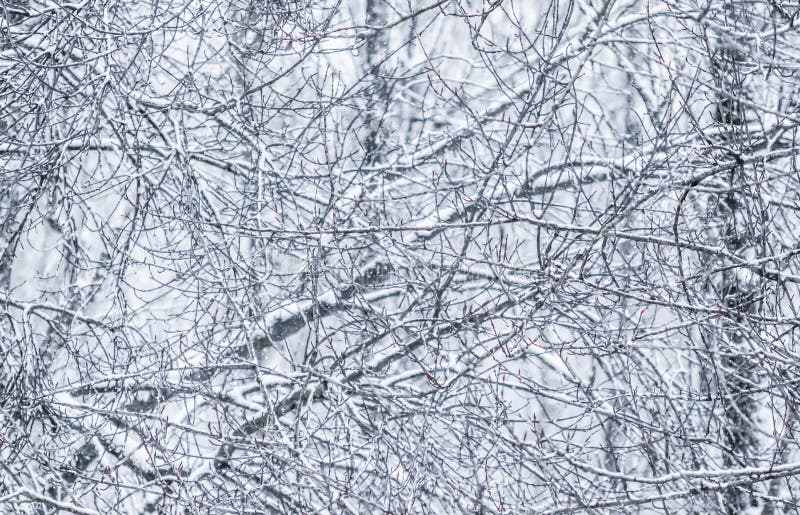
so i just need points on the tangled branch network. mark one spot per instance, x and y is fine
(399, 256)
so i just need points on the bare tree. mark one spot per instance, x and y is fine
(399, 256)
